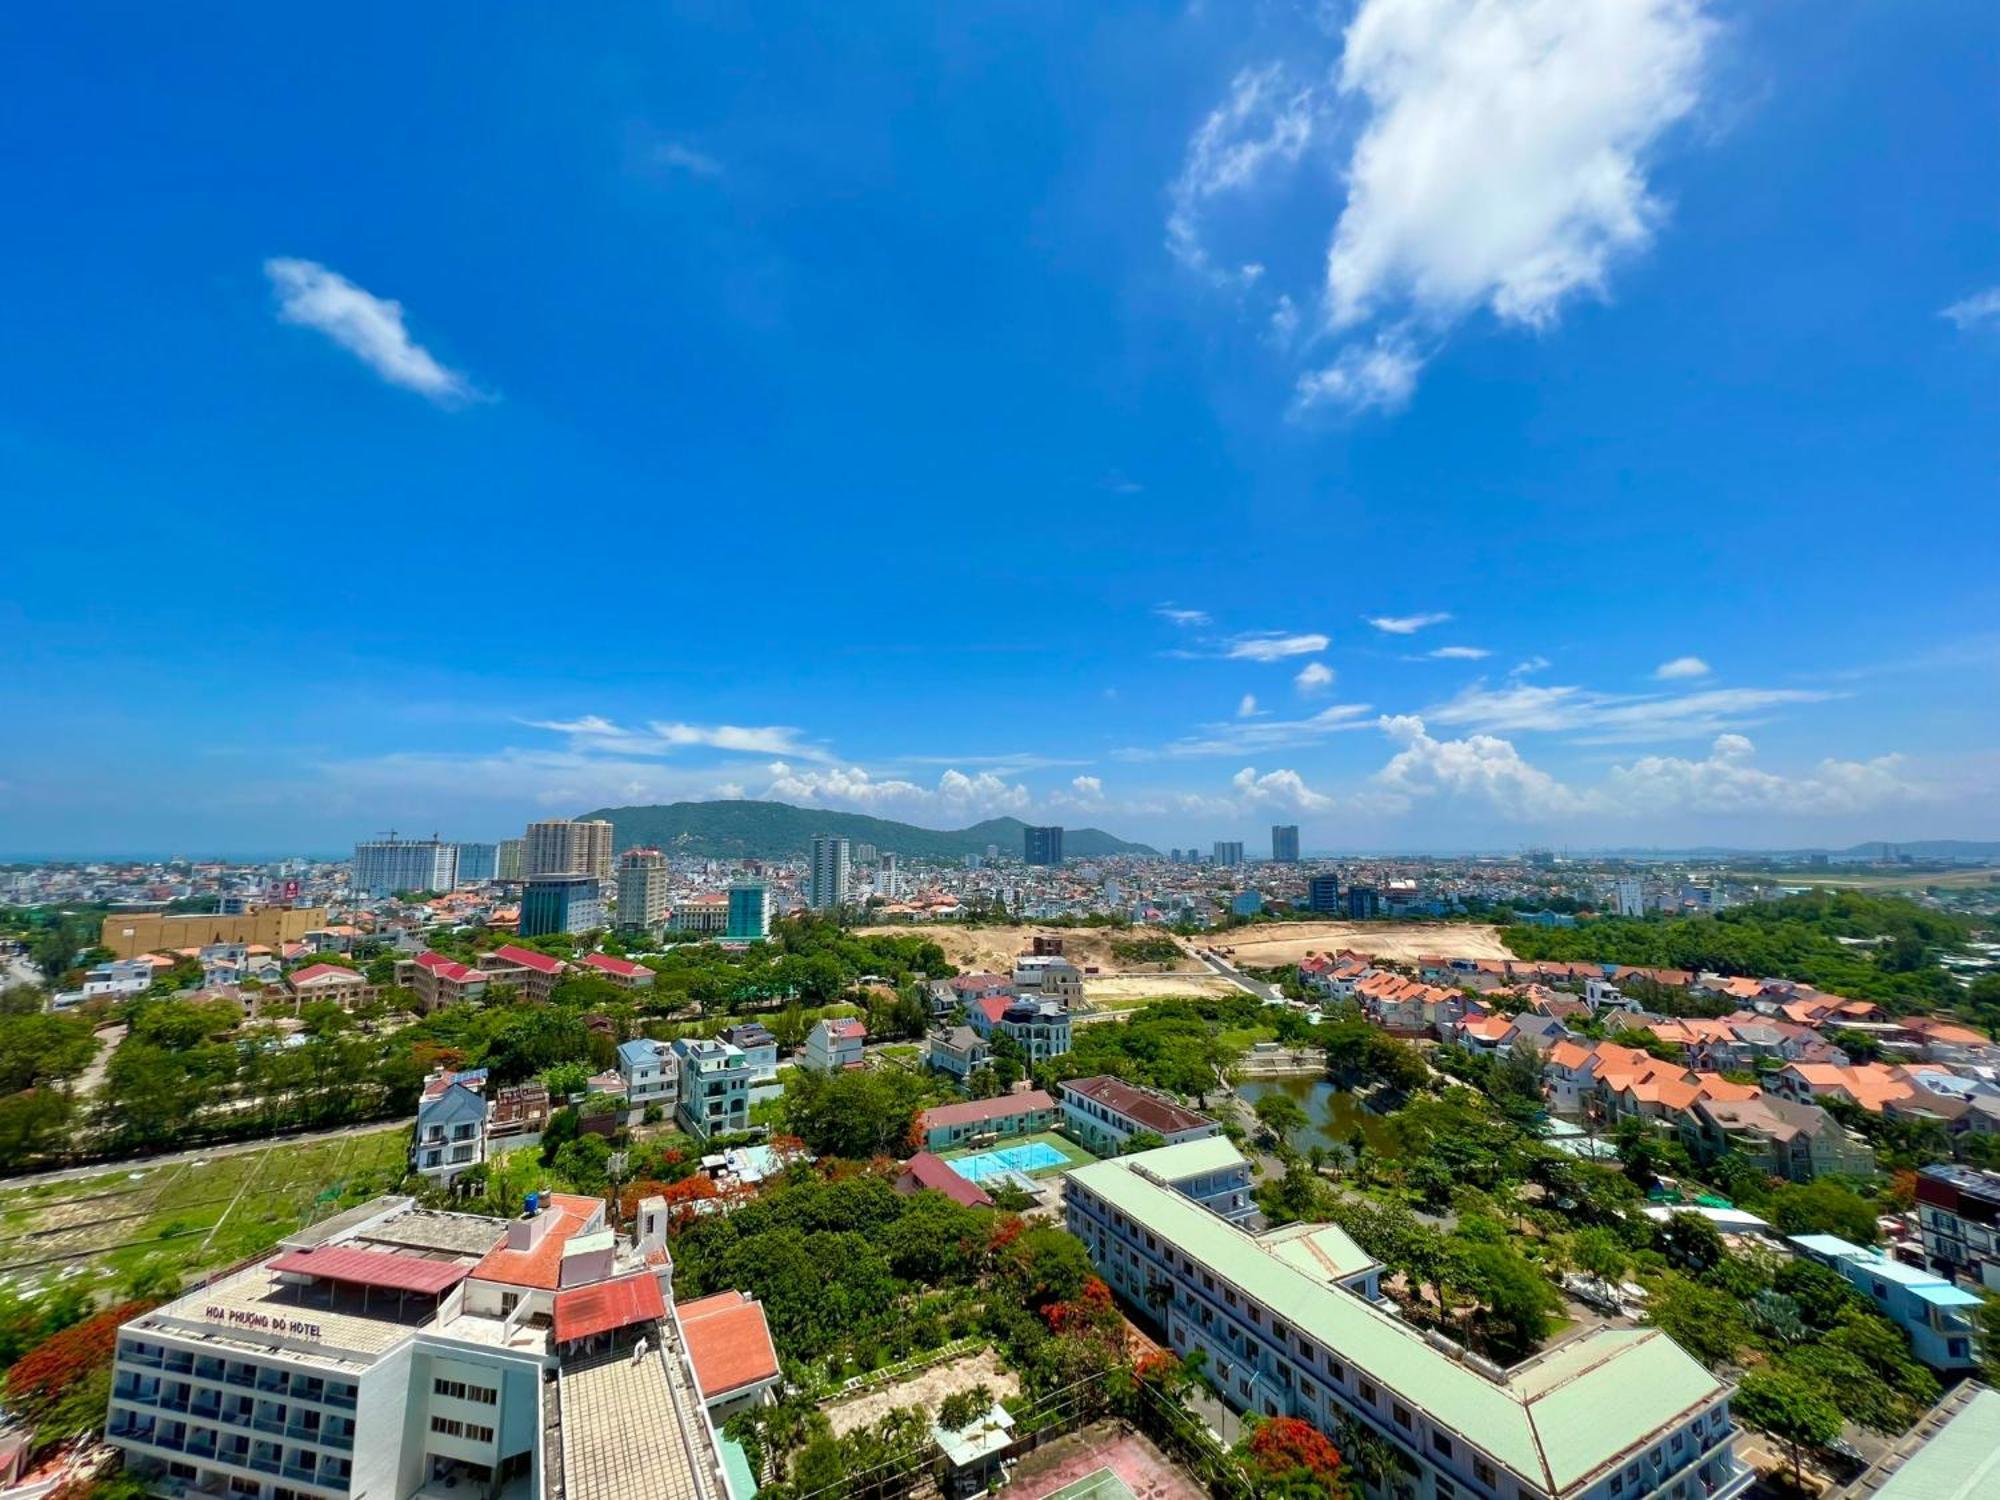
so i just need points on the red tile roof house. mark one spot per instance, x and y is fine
(329, 982)
(1111, 1111)
(928, 1170)
(986, 1119)
(619, 971)
(729, 1345)
(438, 981)
(533, 975)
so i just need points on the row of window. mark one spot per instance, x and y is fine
(472, 1432)
(458, 1390)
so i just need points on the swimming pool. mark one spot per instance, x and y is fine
(1033, 1156)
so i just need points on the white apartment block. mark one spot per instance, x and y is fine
(642, 890)
(1291, 1325)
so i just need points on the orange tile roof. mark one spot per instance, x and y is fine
(540, 1267)
(728, 1342)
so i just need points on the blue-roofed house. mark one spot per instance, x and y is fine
(1935, 1314)
(651, 1073)
(451, 1130)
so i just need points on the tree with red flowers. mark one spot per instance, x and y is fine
(60, 1386)
(1293, 1458)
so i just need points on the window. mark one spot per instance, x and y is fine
(1368, 1392)
(1617, 1484)
(1483, 1472)
(1441, 1443)
(1400, 1413)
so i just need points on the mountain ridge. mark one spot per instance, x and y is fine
(747, 829)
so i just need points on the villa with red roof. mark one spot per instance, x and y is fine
(729, 1344)
(619, 971)
(951, 1125)
(927, 1170)
(344, 986)
(834, 1045)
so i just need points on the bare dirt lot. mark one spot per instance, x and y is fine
(1287, 942)
(1131, 989)
(992, 949)
(926, 1389)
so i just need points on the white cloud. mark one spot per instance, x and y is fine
(1681, 667)
(1381, 375)
(1283, 789)
(1480, 766)
(1240, 736)
(1532, 665)
(1314, 677)
(1726, 782)
(956, 795)
(1406, 624)
(594, 732)
(1182, 617)
(684, 158)
(1460, 653)
(368, 327)
(1609, 718)
(1088, 787)
(1119, 484)
(1503, 161)
(1271, 645)
(1247, 709)
(1265, 121)
(1970, 312)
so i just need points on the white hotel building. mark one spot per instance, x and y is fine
(1291, 1324)
(395, 1352)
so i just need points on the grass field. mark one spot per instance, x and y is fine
(190, 1216)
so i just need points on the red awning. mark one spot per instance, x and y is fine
(380, 1270)
(585, 1310)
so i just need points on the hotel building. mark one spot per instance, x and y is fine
(1292, 1324)
(395, 1352)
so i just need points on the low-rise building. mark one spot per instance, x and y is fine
(729, 1344)
(650, 1074)
(927, 1170)
(760, 1050)
(119, 976)
(1936, 1315)
(451, 1127)
(834, 1045)
(1288, 1328)
(1106, 1112)
(1958, 1216)
(1797, 1142)
(978, 1120)
(620, 971)
(714, 1086)
(1041, 1028)
(345, 987)
(957, 1050)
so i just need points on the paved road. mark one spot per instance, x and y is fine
(1242, 981)
(206, 1153)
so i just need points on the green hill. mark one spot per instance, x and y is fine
(777, 830)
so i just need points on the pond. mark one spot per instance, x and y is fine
(1334, 1112)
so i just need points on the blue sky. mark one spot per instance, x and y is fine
(1441, 424)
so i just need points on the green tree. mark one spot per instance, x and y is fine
(1282, 1117)
(1823, 1206)
(1791, 1410)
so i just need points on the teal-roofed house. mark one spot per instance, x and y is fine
(1937, 1315)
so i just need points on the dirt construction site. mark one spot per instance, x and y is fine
(993, 949)
(1275, 943)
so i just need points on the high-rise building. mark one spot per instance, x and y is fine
(1323, 894)
(642, 890)
(827, 889)
(1630, 895)
(384, 866)
(749, 911)
(1042, 846)
(1363, 902)
(478, 863)
(559, 846)
(888, 879)
(1285, 843)
(509, 858)
(569, 902)
(862, 853)
(1228, 852)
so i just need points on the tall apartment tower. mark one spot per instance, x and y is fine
(561, 846)
(888, 879)
(509, 855)
(1323, 894)
(477, 863)
(384, 866)
(749, 910)
(1042, 846)
(642, 890)
(827, 889)
(1285, 843)
(1228, 852)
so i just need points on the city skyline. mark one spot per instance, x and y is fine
(1628, 485)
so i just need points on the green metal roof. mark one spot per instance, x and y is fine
(1962, 1462)
(1214, 1153)
(1556, 1421)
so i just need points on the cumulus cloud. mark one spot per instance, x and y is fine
(1381, 375)
(1313, 677)
(368, 327)
(684, 158)
(1480, 766)
(1681, 667)
(1282, 789)
(1406, 624)
(956, 795)
(1503, 162)
(1971, 312)
(1726, 781)
(1265, 122)
(1247, 708)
